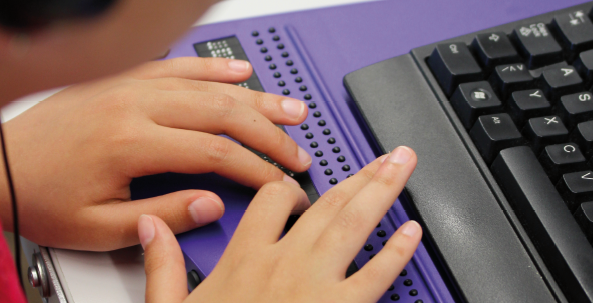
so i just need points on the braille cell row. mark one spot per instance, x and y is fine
(271, 30)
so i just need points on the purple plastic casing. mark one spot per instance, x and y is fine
(325, 45)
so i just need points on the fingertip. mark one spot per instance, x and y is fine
(146, 230)
(288, 179)
(205, 210)
(411, 229)
(294, 109)
(239, 66)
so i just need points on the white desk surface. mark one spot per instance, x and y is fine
(118, 276)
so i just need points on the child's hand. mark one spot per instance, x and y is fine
(309, 263)
(73, 156)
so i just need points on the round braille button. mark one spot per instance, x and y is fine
(395, 297)
(333, 181)
(309, 136)
(327, 131)
(259, 41)
(317, 114)
(379, 225)
(272, 66)
(289, 63)
(408, 282)
(321, 123)
(276, 38)
(312, 105)
(307, 96)
(305, 127)
(294, 71)
(384, 242)
(336, 149)
(285, 92)
(331, 140)
(413, 292)
(328, 172)
(284, 54)
(263, 49)
(391, 288)
(280, 46)
(314, 144)
(371, 256)
(350, 175)
(318, 153)
(277, 75)
(323, 162)
(418, 301)
(281, 83)
(341, 159)
(381, 233)
(268, 58)
(303, 88)
(347, 168)
(298, 79)
(403, 273)
(271, 30)
(255, 33)
(368, 247)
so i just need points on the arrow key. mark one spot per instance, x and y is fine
(576, 188)
(558, 81)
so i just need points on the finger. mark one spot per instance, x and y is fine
(350, 228)
(222, 114)
(373, 279)
(163, 262)
(206, 69)
(266, 216)
(182, 211)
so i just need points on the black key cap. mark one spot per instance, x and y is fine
(547, 220)
(584, 65)
(559, 81)
(561, 159)
(537, 45)
(576, 188)
(474, 99)
(575, 31)
(545, 131)
(452, 63)
(584, 216)
(511, 77)
(583, 136)
(576, 108)
(494, 133)
(526, 104)
(494, 49)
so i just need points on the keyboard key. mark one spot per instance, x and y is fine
(548, 222)
(526, 104)
(583, 136)
(545, 131)
(511, 77)
(494, 133)
(474, 99)
(576, 188)
(575, 31)
(494, 49)
(584, 216)
(560, 81)
(584, 65)
(452, 64)
(537, 45)
(561, 159)
(576, 108)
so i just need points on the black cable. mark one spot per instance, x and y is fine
(15, 214)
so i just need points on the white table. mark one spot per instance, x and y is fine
(118, 276)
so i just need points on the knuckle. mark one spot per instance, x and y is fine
(396, 249)
(280, 137)
(349, 219)
(366, 174)
(224, 105)
(384, 179)
(333, 199)
(218, 150)
(275, 188)
(207, 64)
(259, 101)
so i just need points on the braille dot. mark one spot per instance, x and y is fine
(289, 63)
(350, 175)
(255, 33)
(347, 168)
(368, 247)
(394, 297)
(305, 127)
(285, 92)
(312, 105)
(271, 30)
(341, 159)
(263, 49)
(284, 54)
(280, 46)
(268, 58)
(276, 38)
(309, 136)
(307, 96)
(381, 233)
(391, 288)
(277, 75)
(314, 144)
(318, 153)
(259, 41)
(379, 225)
(281, 83)
(331, 140)
(294, 71)
(317, 114)
(418, 301)
(272, 66)
(328, 172)
(384, 242)
(404, 273)
(323, 162)
(333, 181)
(408, 282)
(371, 256)
(303, 88)
(327, 131)
(298, 79)
(321, 123)
(413, 292)
(336, 149)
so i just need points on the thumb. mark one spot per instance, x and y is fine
(163, 262)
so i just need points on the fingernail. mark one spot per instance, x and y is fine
(400, 155)
(293, 108)
(205, 210)
(145, 230)
(239, 65)
(291, 180)
(410, 228)
(304, 157)
(384, 157)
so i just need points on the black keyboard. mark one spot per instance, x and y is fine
(516, 101)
